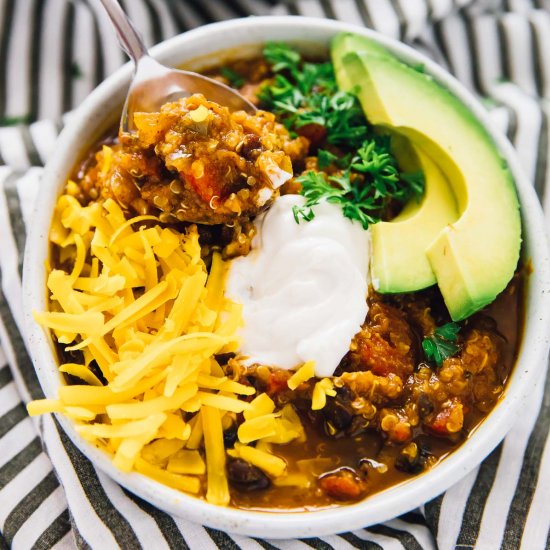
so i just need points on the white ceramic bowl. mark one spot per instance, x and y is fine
(205, 47)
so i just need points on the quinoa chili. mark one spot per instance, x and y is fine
(390, 411)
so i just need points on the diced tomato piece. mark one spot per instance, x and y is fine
(378, 356)
(439, 425)
(401, 433)
(207, 186)
(278, 381)
(314, 132)
(448, 421)
(342, 486)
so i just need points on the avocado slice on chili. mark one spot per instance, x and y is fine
(474, 258)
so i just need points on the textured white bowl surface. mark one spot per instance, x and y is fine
(241, 38)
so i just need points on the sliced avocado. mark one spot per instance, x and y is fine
(399, 262)
(474, 258)
(347, 42)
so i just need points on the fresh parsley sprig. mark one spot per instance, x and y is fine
(442, 343)
(375, 161)
(336, 190)
(303, 93)
(326, 158)
(282, 57)
(363, 190)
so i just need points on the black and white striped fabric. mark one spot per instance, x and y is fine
(52, 54)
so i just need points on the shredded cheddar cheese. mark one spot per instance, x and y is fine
(320, 391)
(189, 484)
(140, 304)
(264, 460)
(260, 405)
(186, 462)
(148, 318)
(303, 374)
(218, 489)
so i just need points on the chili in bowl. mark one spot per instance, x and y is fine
(297, 310)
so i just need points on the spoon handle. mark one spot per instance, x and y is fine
(128, 36)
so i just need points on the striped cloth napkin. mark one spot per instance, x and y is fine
(52, 53)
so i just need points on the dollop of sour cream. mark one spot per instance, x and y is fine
(303, 287)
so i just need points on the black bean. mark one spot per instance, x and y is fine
(425, 405)
(424, 443)
(337, 413)
(246, 477)
(409, 464)
(209, 234)
(359, 424)
(230, 437)
(344, 394)
(223, 358)
(346, 365)
(413, 458)
(259, 385)
(251, 145)
(75, 356)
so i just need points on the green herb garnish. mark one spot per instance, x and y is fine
(281, 57)
(442, 343)
(375, 161)
(416, 182)
(325, 158)
(336, 190)
(233, 77)
(364, 189)
(303, 93)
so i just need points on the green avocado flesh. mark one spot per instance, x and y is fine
(413, 230)
(475, 257)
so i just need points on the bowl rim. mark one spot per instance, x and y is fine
(381, 506)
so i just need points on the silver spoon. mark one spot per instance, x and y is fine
(154, 84)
